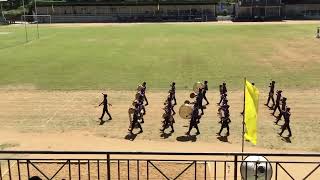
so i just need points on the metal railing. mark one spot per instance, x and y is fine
(150, 165)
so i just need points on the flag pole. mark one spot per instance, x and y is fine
(244, 106)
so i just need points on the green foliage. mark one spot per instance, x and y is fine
(120, 57)
(14, 13)
(15, 4)
(8, 145)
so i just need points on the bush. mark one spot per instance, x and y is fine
(14, 13)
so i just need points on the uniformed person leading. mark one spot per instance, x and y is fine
(105, 107)
(271, 93)
(205, 89)
(173, 93)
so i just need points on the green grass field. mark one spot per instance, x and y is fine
(121, 56)
(118, 57)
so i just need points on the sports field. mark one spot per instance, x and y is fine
(120, 56)
(50, 87)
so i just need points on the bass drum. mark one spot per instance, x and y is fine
(164, 115)
(131, 110)
(185, 111)
(197, 86)
(137, 96)
(139, 88)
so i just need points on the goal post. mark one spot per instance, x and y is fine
(37, 18)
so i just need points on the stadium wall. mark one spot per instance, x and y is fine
(175, 12)
(302, 11)
(248, 10)
(134, 13)
(277, 9)
(261, 13)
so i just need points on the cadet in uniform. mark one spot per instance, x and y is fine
(143, 92)
(286, 125)
(205, 89)
(105, 107)
(225, 124)
(168, 117)
(277, 106)
(224, 108)
(283, 109)
(195, 117)
(224, 88)
(199, 101)
(221, 94)
(170, 106)
(135, 119)
(271, 93)
(173, 93)
(140, 103)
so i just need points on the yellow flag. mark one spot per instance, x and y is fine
(251, 112)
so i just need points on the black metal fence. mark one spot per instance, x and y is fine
(153, 165)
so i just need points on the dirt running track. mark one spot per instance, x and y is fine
(58, 115)
(68, 120)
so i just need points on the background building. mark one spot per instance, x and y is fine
(258, 10)
(302, 9)
(128, 10)
(172, 10)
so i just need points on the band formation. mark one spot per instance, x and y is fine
(193, 111)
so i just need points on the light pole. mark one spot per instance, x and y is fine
(25, 22)
(35, 8)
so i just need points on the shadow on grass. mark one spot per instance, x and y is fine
(165, 135)
(186, 138)
(286, 139)
(102, 122)
(223, 138)
(130, 136)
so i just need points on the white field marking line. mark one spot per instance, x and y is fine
(56, 112)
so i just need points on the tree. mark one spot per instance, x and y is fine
(15, 4)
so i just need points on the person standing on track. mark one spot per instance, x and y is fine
(286, 125)
(105, 107)
(168, 116)
(225, 124)
(283, 109)
(135, 118)
(143, 92)
(271, 93)
(195, 117)
(205, 89)
(277, 106)
(199, 100)
(172, 92)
